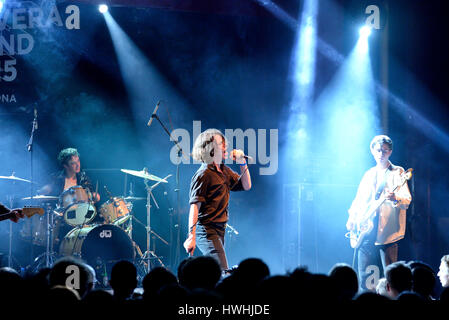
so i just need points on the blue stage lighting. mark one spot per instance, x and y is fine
(1, 5)
(103, 8)
(365, 31)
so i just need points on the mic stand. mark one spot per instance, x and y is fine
(30, 150)
(177, 190)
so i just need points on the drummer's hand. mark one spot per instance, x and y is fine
(18, 214)
(96, 197)
(190, 244)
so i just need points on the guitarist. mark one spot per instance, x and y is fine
(17, 213)
(389, 219)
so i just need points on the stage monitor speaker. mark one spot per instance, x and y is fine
(314, 225)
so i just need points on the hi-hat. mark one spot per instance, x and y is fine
(144, 174)
(41, 197)
(134, 198)
(14, 178)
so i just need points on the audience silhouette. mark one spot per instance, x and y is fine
(200, 281)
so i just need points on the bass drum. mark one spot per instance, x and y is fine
(97, 245)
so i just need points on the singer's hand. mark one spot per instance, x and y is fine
(238, 156)
(190, 244)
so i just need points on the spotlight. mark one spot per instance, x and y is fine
(103, 8)
(1, 5)
(365, 31)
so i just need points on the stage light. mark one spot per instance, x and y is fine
(365, 31)
(1, 5)
(103, 8)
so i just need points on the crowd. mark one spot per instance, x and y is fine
(199, 281)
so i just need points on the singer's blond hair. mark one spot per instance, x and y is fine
(203, 148)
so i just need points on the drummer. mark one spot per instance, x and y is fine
(70, 175)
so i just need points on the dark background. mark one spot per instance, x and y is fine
(229, 64)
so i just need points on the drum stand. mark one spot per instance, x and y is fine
(48, 255)
(148, 255)
(10, 257)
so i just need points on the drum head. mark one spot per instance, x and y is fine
(107, 243)
(79, 214)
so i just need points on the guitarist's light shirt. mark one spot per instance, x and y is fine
(391, 227)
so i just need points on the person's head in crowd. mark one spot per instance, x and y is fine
(444, 296)
(174, 294)
(410, 297)
(345, 280)
(91, 279)
(443, 272)
(252, 270)
(61, 295)
(72, 273)
(179, 273)
(123, 279)
(381, 287)
(424, 279)
(11, 284)
(399, 278)
(155, 280)
(201, 272)
(98, 298)
(370, 298)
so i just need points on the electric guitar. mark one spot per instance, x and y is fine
(364, 220)
(27, 211)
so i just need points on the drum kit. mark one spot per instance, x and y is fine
(99, 244)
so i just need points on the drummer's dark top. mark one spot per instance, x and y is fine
(58, 181)
(211, 188)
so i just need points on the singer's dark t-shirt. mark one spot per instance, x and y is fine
(211, 188)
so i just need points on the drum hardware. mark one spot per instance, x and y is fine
(42, 197)
(13, 178)
(134, 198)
(10, 200)
(143, 174)
(149, 254)
(49, 256)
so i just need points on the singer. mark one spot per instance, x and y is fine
(209, 194)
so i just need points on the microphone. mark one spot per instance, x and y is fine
(154, 113)
(233, 156)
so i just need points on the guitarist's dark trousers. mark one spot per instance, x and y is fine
(372, 259)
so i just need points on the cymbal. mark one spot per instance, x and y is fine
(143, 174)
(14, 178)
(41, 197)
(134, 198)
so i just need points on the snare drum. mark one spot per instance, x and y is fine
(78, 206)
(114, 210)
